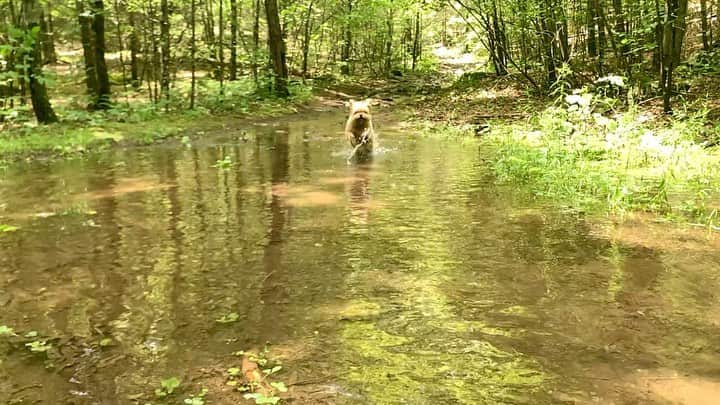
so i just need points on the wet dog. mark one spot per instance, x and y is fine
(359, 129)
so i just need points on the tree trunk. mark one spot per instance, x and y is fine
(390, 22)
(673, 35)
(134, 49)
(621, 33)
(306, 39)
(209, 23)
(602, 41)
(704, 24)
(88, 43)
(103, 80)
(38, 92)
(154, 48)
(417, 46)
(233, 39)
(500, 43)
(347, 43)
(48, 38)
(657, 52)
(118, 27)
(256, 41)
(165, 50)
(193, 51)
(561, 28)
(548, 35)
(276, 46)
(591, 29)
(221, 48)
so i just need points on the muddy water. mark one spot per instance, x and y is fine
(411, 279)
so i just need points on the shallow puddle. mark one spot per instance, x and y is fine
(409, 279)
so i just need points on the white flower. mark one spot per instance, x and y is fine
(582, 100)
(650, 141)
(615, 80)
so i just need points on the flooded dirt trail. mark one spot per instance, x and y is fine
(410, 279)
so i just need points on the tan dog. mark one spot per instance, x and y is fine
(359, 129)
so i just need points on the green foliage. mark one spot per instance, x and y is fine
(6, 331)
(279, 385)
(261, 398)
(260, 388)
(197, 399)
(7, 228)
(38, 346)
(167, 387)
(225, 164)
(106, 342)
(703, 62)
(578, 157)
(19, 47)
(562, 85)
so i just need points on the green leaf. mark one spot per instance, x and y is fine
(229, 318)
(38, 346)
(31, 334)
(280, 386)
(234, 371)
(273, 370)
(169, 385)
(262, 399)
(8, 228)
(6, 331)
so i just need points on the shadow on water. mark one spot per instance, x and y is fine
(410, 278)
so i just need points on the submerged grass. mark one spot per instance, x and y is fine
(619, 162)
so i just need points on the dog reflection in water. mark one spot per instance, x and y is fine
(358, 191)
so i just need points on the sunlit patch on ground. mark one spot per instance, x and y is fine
(675, 388)
(454, 56)
(643, 230)
(127, 186)
(338, 180)
(303, 195)
(313, 198)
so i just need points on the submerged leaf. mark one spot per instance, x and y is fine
(280, 386)
(8, 228)
(229, 318)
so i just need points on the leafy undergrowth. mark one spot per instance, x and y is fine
(582, 153)
(133, 122)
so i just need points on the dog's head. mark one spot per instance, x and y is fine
(360, 110)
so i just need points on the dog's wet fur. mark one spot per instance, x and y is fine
(359, 126)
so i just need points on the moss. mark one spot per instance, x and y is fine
(389, 368)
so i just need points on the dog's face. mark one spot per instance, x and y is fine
(360, 110)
